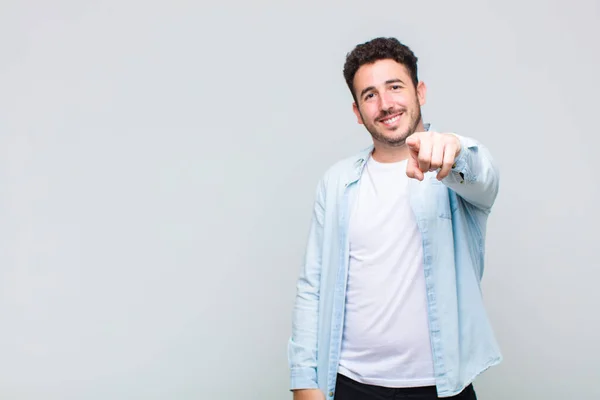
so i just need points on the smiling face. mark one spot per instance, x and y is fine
(387, 102)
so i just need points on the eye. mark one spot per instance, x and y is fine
(396, 87)
(369, 96)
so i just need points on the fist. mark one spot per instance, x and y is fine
(430, 151)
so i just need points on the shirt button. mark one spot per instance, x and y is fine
(330, 394)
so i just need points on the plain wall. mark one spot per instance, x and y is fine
(158, 162)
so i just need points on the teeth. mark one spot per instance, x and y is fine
(391, 120)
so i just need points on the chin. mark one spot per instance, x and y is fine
(397, 139)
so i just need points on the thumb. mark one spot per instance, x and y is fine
(412, 167)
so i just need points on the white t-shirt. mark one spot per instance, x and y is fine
(386, 337)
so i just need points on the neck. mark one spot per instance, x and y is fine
(385, 153)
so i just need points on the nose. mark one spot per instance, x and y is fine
(386, 101)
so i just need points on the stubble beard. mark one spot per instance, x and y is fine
(397, 140)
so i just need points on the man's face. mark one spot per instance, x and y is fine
(387, 102)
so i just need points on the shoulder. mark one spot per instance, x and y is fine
(344, 169)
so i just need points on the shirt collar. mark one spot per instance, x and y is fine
(361, 158)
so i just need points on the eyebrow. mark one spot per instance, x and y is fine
(389, 81)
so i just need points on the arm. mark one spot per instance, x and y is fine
(302, 346)
(464, 165)
(474, 175)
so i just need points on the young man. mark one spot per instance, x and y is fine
(389, 302)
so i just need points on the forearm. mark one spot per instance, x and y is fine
(474, 175)
(302, 348)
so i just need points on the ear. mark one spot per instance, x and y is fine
(421, 93)
(357, 113)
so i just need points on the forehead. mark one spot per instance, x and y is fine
(377, 73)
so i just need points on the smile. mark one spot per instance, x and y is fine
(391, 120)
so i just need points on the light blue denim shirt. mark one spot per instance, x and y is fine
(452, 216)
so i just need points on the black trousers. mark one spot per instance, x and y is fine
(348, 389)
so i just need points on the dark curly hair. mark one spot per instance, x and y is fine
(379, 49)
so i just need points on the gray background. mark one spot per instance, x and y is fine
(158, 162)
